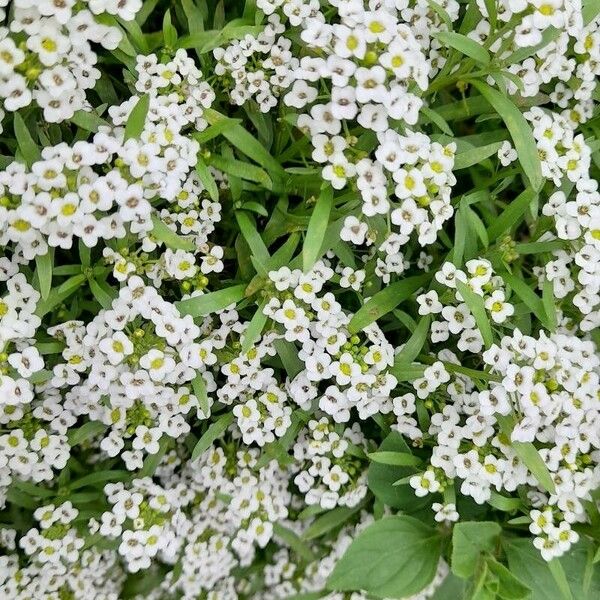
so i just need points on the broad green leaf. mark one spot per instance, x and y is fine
(385, 301)
(137, 118)
(590, 10)
(526, 563)
(476, 306)
(465, 45)
(469, 540)
(168, 237)
(29, 149)
(558, 574)
(452, 588)
(509, 586)
(205, 304)
(394, 557)
(215, 431)
(317, 226)
(381, 477)
(511, 215)
(44, 264)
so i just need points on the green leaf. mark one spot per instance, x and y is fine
(153, 460)
(87, 120)
(246, 143)
(476, 306)
(168, 237)
(395, 557)
(330, 520)
(549, 303)
(105, 299)
(527, 295)
(44, 264)
(518, 56)
(100, 477)
(208, 181)
(211, 434)
(397, 459)
(254, 329)
(289, 357)
(415, 343)
(385, 301)
(381, 477)
(293, 541)
(205, 304)
(465, 45)
(526, 563)
(558, 574)
(85, 432)
(469, 540)
(59, 294)
(529, 454)
(241, 169)
(512, 214)
(474, 156)
(520, 132)
(199, 387)
(509, 587)
(252, 237)
(137, 118)
(317, 226)
(28, 148)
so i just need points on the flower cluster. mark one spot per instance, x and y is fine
(55, 64)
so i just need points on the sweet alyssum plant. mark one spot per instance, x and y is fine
(299, 299)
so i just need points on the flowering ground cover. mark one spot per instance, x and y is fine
(299, 299)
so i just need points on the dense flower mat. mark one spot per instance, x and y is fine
(299, 299)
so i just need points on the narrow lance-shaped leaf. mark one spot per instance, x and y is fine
(137, 118)
(168, 237)
(465, 45)
(206, 304)
(211, 434)
(385, 301)
(475, 303)
(29, 149)
(44, 264)
(317, 226)
(520, 132)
